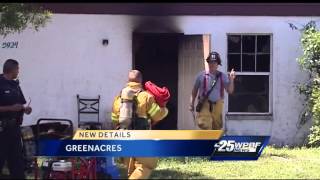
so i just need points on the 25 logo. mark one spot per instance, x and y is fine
(225, 146)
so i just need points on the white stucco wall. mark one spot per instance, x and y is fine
(67, 58)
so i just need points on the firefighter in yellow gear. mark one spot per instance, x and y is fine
(211, 84)
(146, 110)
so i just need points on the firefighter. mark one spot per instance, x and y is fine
(210, 115)
(137, 109)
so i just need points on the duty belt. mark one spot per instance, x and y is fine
(7, 122)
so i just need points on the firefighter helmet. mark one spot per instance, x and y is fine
(213, 57)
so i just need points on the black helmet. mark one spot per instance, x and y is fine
(213, 56)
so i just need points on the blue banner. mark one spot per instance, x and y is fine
(126, 148)
(226, 148)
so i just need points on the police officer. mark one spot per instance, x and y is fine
(210, 115)
(11, 113)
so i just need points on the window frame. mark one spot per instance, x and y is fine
(270, 73)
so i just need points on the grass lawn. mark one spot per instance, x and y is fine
(274, 163)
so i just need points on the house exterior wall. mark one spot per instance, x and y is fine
(67, 58)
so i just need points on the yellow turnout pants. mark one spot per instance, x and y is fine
(140, 168)
(210, 120)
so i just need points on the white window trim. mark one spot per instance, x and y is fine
(262, 116)
(253, 73)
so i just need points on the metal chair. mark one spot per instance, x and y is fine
(89, 106)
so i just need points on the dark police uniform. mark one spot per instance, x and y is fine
(10, 134)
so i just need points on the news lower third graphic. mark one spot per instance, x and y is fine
(239, 147)
(155, 143)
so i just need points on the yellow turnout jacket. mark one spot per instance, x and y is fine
(146, 106)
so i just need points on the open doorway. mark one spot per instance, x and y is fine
(156, 56)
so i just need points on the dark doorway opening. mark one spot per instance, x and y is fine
(156, 56)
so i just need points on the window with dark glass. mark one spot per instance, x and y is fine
(250, 57)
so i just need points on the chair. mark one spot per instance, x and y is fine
(90, 108)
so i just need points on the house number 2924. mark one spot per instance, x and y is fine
(13, 44)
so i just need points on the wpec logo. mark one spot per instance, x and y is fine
(239, 147)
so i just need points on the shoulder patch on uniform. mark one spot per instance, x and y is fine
(7, 91)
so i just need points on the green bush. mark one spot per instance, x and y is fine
(310, 62)
(314, 137)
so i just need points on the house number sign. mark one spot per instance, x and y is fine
(8, 45)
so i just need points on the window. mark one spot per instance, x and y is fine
(250, 57)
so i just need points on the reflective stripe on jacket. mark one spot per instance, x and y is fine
(146, 107)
